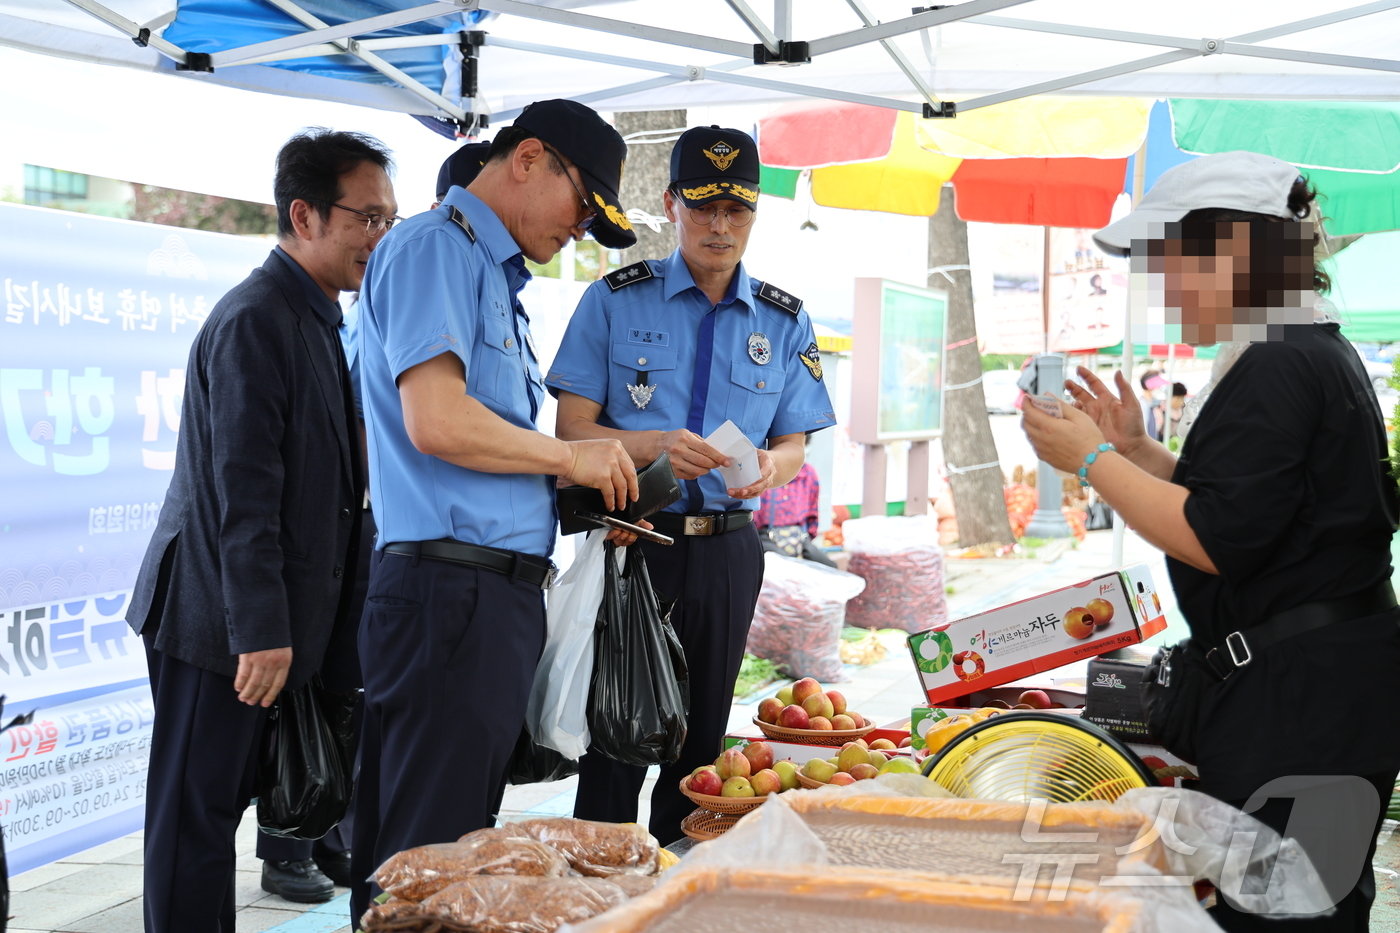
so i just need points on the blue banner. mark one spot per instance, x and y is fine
(96, 321)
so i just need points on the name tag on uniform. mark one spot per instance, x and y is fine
(655, 338)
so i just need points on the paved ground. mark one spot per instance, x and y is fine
(99, 890)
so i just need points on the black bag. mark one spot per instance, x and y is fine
(305, 773)
(639, 695)
(532, 763)
(1174, 688)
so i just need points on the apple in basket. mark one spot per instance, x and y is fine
(737, 787)
(766, 782)
(794, 717)
(705, 780)
(804, 688)
(760, 756)
(769, 709)
(732, 763)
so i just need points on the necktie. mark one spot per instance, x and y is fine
(699, 395)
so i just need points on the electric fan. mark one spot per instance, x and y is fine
(1037, 756)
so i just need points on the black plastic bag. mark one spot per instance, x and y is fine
(640, 692)
(305, 772)
(532, 763)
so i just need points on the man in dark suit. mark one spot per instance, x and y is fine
(245, 585)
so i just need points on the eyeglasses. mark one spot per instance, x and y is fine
(375, 224)
(589, 213)
(734, 216)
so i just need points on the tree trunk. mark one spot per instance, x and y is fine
(969, 451)
(647, 174)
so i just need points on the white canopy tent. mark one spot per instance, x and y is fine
(651, 54)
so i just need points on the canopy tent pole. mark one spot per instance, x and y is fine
(1126, 363)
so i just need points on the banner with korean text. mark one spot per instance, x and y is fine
(96, 320)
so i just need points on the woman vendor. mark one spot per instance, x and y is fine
(1276, 518)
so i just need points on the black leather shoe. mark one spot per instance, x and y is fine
(298, 881)
(335, 866)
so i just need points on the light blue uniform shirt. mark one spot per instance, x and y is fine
(431, 289)
(633, 328)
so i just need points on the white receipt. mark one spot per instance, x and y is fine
(730, 441)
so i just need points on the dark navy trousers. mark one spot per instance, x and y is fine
(448, 653)
(196, 793)
(714, 583)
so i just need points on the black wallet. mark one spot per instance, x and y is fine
(657, 487)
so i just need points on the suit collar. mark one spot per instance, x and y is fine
(291, 270)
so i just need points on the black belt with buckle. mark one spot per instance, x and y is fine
(536, 571)
(708, 523)
(1239, 647)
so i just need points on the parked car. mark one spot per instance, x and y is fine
(1379, 372)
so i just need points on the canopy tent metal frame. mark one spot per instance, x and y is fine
(776, 46)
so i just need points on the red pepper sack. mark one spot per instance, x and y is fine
(800, 613)
(902, 564)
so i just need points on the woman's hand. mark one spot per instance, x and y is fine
(1061, 442)
(1119, 416)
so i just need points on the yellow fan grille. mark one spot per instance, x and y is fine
(1027, 757)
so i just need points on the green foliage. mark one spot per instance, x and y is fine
(175, 208)
(992, 361)
(754, 672)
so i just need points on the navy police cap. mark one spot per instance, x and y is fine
(587, 141)
(710, 163)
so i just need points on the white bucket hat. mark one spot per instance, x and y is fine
(1242, 181)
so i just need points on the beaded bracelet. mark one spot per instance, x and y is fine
(1089, 461)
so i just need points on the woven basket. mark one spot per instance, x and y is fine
(812, 736)
(734, 805)
(702, 825)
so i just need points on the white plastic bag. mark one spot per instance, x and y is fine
(557, 713)
(902, 564)
(797, 621)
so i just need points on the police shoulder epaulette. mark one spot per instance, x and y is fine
(777, 296)
(460, 219)
(629, 275)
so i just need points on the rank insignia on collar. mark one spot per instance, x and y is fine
(721, 154)
(629, 275)
(812, 359)
(780, 298)
(760, 349)
(641, 395)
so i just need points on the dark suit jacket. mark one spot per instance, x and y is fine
(255, 544)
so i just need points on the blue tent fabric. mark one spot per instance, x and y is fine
(220, 25)
(1162, 152)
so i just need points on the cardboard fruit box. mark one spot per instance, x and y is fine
(1038, 634)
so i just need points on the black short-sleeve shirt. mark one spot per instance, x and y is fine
(1291, 498)
(1289, 483)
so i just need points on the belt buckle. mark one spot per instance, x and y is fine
(1236, 645)
(699, 524)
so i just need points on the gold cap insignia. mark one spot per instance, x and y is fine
(721, 154)
(614, 214)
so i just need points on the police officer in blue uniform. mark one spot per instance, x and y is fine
(463, 483)
(658, 355)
